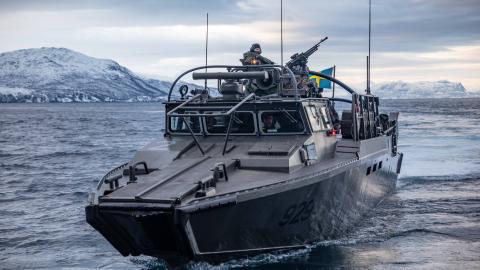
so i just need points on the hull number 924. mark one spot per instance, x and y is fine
(297, 212)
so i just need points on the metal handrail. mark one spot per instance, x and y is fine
(341, 100)
(193, 136)
(132, 169)
(330, 78)
(105, 177)
(390, 129)
(183, 104)
(230, 111)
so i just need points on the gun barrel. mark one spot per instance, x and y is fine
(314, 48)
(306, 54)
(262, 75)
(311, 51)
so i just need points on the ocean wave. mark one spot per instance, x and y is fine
(77, 194)
(16, 198)
(58, 154)
(439, 178)
(20, 166)
(5, 212)
(297, 255)
(420, 230)
(36, 243)
(7, 155)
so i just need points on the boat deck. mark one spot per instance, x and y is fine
(173, 183)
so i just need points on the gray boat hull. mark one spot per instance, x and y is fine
(286, 215)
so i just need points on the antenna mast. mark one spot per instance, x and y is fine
(369, 41)
(281, 31)
(206, 53)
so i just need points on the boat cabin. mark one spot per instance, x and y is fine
(256, 118)
(254, 105)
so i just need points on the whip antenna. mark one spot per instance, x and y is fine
(206, 53)
(281, 31)
(369, 41)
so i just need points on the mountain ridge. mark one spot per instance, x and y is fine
(421, 89)
(50, 74)
(62, 75)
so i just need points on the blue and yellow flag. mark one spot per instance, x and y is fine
(323, 83)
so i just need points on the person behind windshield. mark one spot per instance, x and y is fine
(270, 124)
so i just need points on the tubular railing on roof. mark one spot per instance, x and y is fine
(231, 68)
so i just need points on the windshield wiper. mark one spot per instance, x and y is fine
(237, 120)
(289, 116)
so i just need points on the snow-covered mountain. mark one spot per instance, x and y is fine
(426, 89)
(62, 75)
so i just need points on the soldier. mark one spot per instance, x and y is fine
(269, 123)
(253, 57)
(305, 83)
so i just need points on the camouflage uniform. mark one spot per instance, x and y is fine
(248, 59)
(253, 56)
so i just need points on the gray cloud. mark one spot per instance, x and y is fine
(145, 34)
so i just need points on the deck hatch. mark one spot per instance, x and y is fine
(271, 149)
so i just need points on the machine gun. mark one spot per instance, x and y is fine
(298, 62)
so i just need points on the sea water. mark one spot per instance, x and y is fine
(52, 156)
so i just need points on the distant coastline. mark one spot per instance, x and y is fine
(60, 75)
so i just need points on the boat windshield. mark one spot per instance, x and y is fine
(327, 121)
(280, 121)
(270, 122)
(177, 124)
(242, 123)
(319, 118)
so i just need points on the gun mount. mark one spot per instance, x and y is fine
(298, 61)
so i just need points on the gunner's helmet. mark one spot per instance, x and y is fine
(256, 48)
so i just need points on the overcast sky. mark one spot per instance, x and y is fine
(412, 40)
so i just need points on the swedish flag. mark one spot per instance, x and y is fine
(323, 83)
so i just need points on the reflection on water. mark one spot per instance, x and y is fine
(52, 155)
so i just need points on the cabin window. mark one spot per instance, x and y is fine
(177, 125)
(380, 165)
(314, 118)
(327, 122)
(374, 167)
(368, 170)
(319, 118)
(280, 121)
(243, 123)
